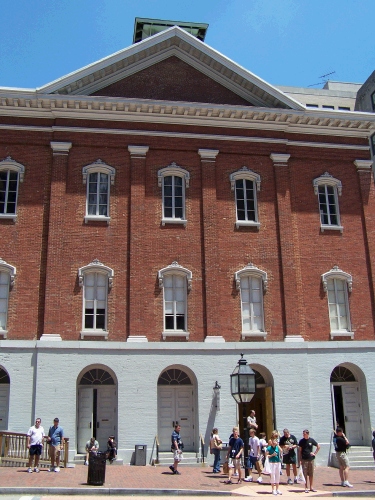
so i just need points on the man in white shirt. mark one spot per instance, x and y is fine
(254, 456)
(35, 436)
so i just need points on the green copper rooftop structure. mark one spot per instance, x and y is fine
(144, 28)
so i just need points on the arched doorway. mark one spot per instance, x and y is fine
(4, 399)
(97, 407)
(176, 401)
(262, 401)
(347, 404)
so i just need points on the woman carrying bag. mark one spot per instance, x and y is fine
(216, 445)
(273, 453)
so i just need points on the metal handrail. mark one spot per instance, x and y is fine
(156, 445)
(14, 451)
(201, 447)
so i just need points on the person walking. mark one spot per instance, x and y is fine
(273, 452)
(235, 450)
(288, 444)
(56, 443)
(307, 457)
(111, 449)
(254, 457)
(176, 448)
(92, 446)
(341, 446)
(216, 445)
(35, 436)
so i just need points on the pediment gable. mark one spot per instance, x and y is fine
(230, 83)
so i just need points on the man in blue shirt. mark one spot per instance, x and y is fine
(56, 441)
(176, 449)
(235, 453)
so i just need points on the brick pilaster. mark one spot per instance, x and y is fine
(56, 227)
(210, 270)
(136, 244)
(287, 229)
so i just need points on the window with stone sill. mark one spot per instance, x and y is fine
(7, 277)
(173, 180)
(98, 177)
(96, 280)
(175, 281)
(252, 283)
(337, 284)
(11, 174)
(328, 189)
(245, 183)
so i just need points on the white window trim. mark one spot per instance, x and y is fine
(176, 170)
(248, 174)
(175, 269)
(11, 270)
(327, 179)
(337, 273)
(251, 270)
(10, 164)
(94, 267)
(101, 167)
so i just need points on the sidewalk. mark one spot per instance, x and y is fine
(196, 480)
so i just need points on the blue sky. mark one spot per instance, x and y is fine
(285, 42)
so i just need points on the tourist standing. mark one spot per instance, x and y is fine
(216, 445)
(307, 457)
(35, 436)
(56, 441)
(273, 453)
(235, 450)
(341, 446)
(288, 444)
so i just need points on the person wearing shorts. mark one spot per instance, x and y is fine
(307, 457)
(289, 443)
(176, 449)
(235, 450)
(56, 442)
(254, 457)
(341, 446)
(35, 436)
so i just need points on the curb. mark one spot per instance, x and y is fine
(100, 490)
(363, 493)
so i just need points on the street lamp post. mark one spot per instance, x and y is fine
(242, 388)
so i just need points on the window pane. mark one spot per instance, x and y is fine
(180, 322)
(89, 318)
(169, 323)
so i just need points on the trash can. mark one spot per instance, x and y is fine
(96, 472)
(140, 454)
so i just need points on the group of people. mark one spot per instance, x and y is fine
(263, 454)
(55, 439)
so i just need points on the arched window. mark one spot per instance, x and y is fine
(328, 190)
(245, 183)
(252, 283)
(174, 376)
(342, 374)
(97, 376)
(11, 174)
(337, 284)
(7, 277)
(98, 176)
(96, 279)
(173, 180)
(175, 281)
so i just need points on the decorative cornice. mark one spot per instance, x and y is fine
(138, 151)
(327, 178)
(208, 155)
(250, 269)
(174, 169)
(99, 166)
(337, 273)
(95, 265)
(280, 159)
(244, 173)
(363, 164)
(60, 148)
(11, 164)
(175, 268)
(4, 266)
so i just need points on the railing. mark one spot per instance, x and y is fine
(14, 451)
(155, 447)
(201, 448)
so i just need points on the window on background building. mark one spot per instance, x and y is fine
(328, 107)
(7, 276)
(173, 180)
(373, 101)
(96, 279)
(337, 284)
(246, 183)
(312, 106)
(175, 282)
(11, 174)
(252, 283)
(344, 108)
(373, 144)
(98, 177)
(328, 190)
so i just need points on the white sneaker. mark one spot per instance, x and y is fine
(36, 469)
(343, 483)
(248, 479)
(274, 492)
(235, 473)
(29, 470)
(86, 462)
(278, 492)
(348, 484)
(290, 481)
(51, 469)
(57, 469)
(259, 480)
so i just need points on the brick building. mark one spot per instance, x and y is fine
(163, 210)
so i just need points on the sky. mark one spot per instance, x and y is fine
(285, 42)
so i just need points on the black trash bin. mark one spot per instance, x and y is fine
(96, 472)
(140, 454)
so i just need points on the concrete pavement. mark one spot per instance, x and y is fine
(193, 481)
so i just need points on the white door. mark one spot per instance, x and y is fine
(176, 406)
(353, 413)
(4, 406)
(97, 415)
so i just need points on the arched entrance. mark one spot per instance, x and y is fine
(262, 401)
(4, 399)
(97, 407)
(176, 400)
(347, 404)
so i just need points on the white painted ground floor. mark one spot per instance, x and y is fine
(137, 391)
